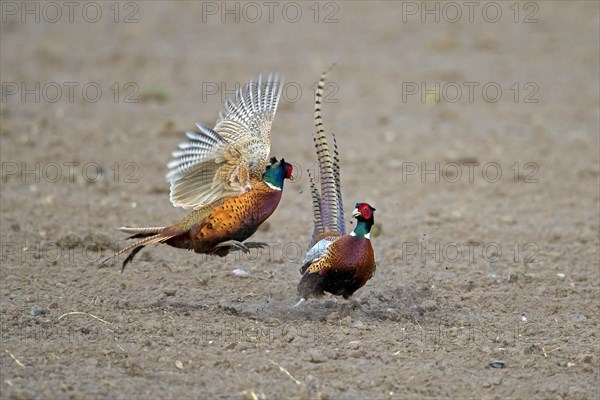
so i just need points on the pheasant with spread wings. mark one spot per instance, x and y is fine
(225, 175)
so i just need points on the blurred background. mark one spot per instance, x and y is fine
(461, 122)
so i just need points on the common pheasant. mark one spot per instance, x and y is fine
(225, 175)
(336, 263)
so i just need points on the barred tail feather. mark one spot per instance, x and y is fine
(316, 203)
(332, 213)
(141, 232)
(338, 189)
(148, 239)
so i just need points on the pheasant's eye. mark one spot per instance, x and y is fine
(288, 171)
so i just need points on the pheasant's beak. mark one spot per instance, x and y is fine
(356, 213)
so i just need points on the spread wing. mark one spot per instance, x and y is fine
(206, 168)
(218, 163)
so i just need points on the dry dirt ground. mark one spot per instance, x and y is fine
(487, 200)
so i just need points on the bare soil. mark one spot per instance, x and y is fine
(487, 202)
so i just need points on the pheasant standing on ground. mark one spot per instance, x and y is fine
(225, 175)
(336, 263)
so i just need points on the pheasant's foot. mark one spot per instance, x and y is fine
(256, 245)
(300, 302)
(349, 306)
(355, 303)
(233, 245)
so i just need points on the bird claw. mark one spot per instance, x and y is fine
(256, 245)
(234, 245)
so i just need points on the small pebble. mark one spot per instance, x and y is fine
(316, 356)
(240, 272)
(578, 317)
(37, 311)
(355, 344)
(497, 364)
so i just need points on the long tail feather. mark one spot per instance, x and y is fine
(338, 189)
(331, 208)
(141, 232)
(316, 203)
(148, 239)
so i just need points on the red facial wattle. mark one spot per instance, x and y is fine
(365, 211)
(288, 172)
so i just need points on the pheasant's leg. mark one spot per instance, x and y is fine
(234, 245)
(349, 306)
(245, 247)
(300, 302)
(256, 245)
(355, 303)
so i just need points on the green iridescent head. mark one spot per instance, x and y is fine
(277, 172)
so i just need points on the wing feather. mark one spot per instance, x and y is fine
(217, 163)
(316, 252)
